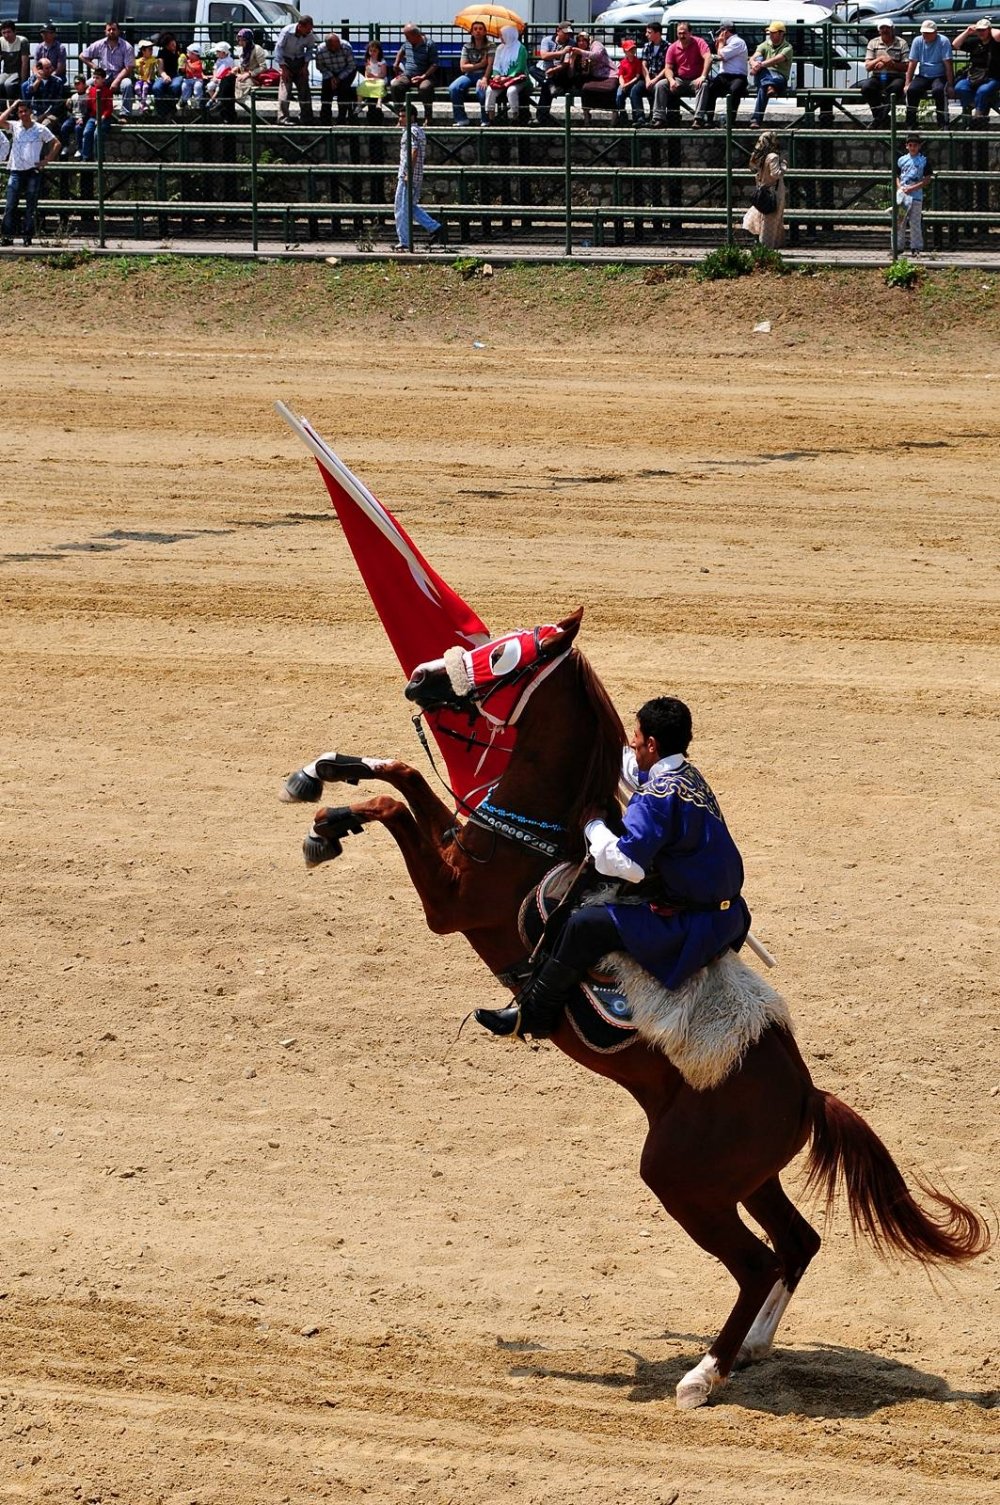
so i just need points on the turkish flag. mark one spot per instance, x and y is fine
(420, 612)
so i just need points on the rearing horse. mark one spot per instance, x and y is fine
(707, 1153)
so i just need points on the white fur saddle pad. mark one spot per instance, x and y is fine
(706, 1026)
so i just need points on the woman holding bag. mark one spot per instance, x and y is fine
(766, 216)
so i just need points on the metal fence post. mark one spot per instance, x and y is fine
(254, 222)
(893, 149)
(568, 172)
(99, 139)
(408, 187)
(729, 170)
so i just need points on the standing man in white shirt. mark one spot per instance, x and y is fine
(27, 163)
(732, 54)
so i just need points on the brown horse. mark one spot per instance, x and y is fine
(707, 1152)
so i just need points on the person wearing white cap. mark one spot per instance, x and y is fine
(977, 88)
(885, 65)
(930, 70)
(732, 54)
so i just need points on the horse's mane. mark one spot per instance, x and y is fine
(599, 784)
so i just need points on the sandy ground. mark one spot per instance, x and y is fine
(233, 1111)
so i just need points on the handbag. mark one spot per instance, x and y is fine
(764, 199)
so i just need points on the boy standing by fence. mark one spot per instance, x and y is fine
(913, 174)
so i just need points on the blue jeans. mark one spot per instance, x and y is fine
(420, 216)
(166, 93)
(459, 88)
(30, 184)
(981, 95)
(87, 139)
(635, 95)
(767, 78)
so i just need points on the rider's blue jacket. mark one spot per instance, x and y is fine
(675, 832)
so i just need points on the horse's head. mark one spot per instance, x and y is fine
(468, 677)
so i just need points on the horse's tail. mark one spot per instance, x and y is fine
(844, 1148)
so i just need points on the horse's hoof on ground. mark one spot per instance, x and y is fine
(301, 788)
(698, 1385)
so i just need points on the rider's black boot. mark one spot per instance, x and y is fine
(539, 1004)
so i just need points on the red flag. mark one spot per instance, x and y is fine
(420, 612)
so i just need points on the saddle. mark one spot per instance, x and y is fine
(705, 1027)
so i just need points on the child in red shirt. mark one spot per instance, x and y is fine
(100, 106)
(631, 86)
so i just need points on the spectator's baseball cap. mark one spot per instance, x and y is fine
(985, 23)
(727, 25)
(48, 26)
(886, 26)
(223, 47)
(776, 26)
(145, 43)
(628, 45)
(929, 26)
(194, 48)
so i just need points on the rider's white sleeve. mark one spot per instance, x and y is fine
(630, 770)
(603, 844)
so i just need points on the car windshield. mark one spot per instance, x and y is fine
(277, 15)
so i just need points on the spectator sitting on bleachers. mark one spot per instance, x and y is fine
(730, 83)
(770, 69)
(593, 65)
(375, 84)
(51, 47)
(116, 57)
(146, 70)
(338, 71)
(71, 130)
(14, 61)
(687, 66)
(167, 88)
(476, 55)
(220, 91)
(654, 59)
(46, 94)
(885, 64)
(251, 61)
(192, 71)
(292, 54)
(979, 85)
(631, 86)
(930, 70)
(415, 67)
(507, 74)
(100, 106)
(555, 67)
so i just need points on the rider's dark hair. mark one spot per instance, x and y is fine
(669, 721)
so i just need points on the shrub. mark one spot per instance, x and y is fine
(766, 260)
(903, 273)
(725, 262)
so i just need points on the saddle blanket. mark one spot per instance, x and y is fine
(705, 1027)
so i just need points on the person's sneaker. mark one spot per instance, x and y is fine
(78, 156)
(400, 247)
(26, 240)
(5, 240)
(436, 240)
(462, 120)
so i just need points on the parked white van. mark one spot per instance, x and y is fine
(809, 26)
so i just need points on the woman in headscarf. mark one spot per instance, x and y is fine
(251, 60)
(506, 73)
(769, 166)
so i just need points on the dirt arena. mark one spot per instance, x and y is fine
(272, 1235)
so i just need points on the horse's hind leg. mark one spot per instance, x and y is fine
(796, 1243)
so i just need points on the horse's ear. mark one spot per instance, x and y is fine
(566, 631)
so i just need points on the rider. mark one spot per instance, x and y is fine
(686, 907)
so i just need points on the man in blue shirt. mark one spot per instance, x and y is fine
(680, 873)
(417, 68)
(930, 70)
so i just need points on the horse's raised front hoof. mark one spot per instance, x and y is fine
(328, 830)
(342, 768)
(698, 1385)
(301, 788)
(318, 849)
